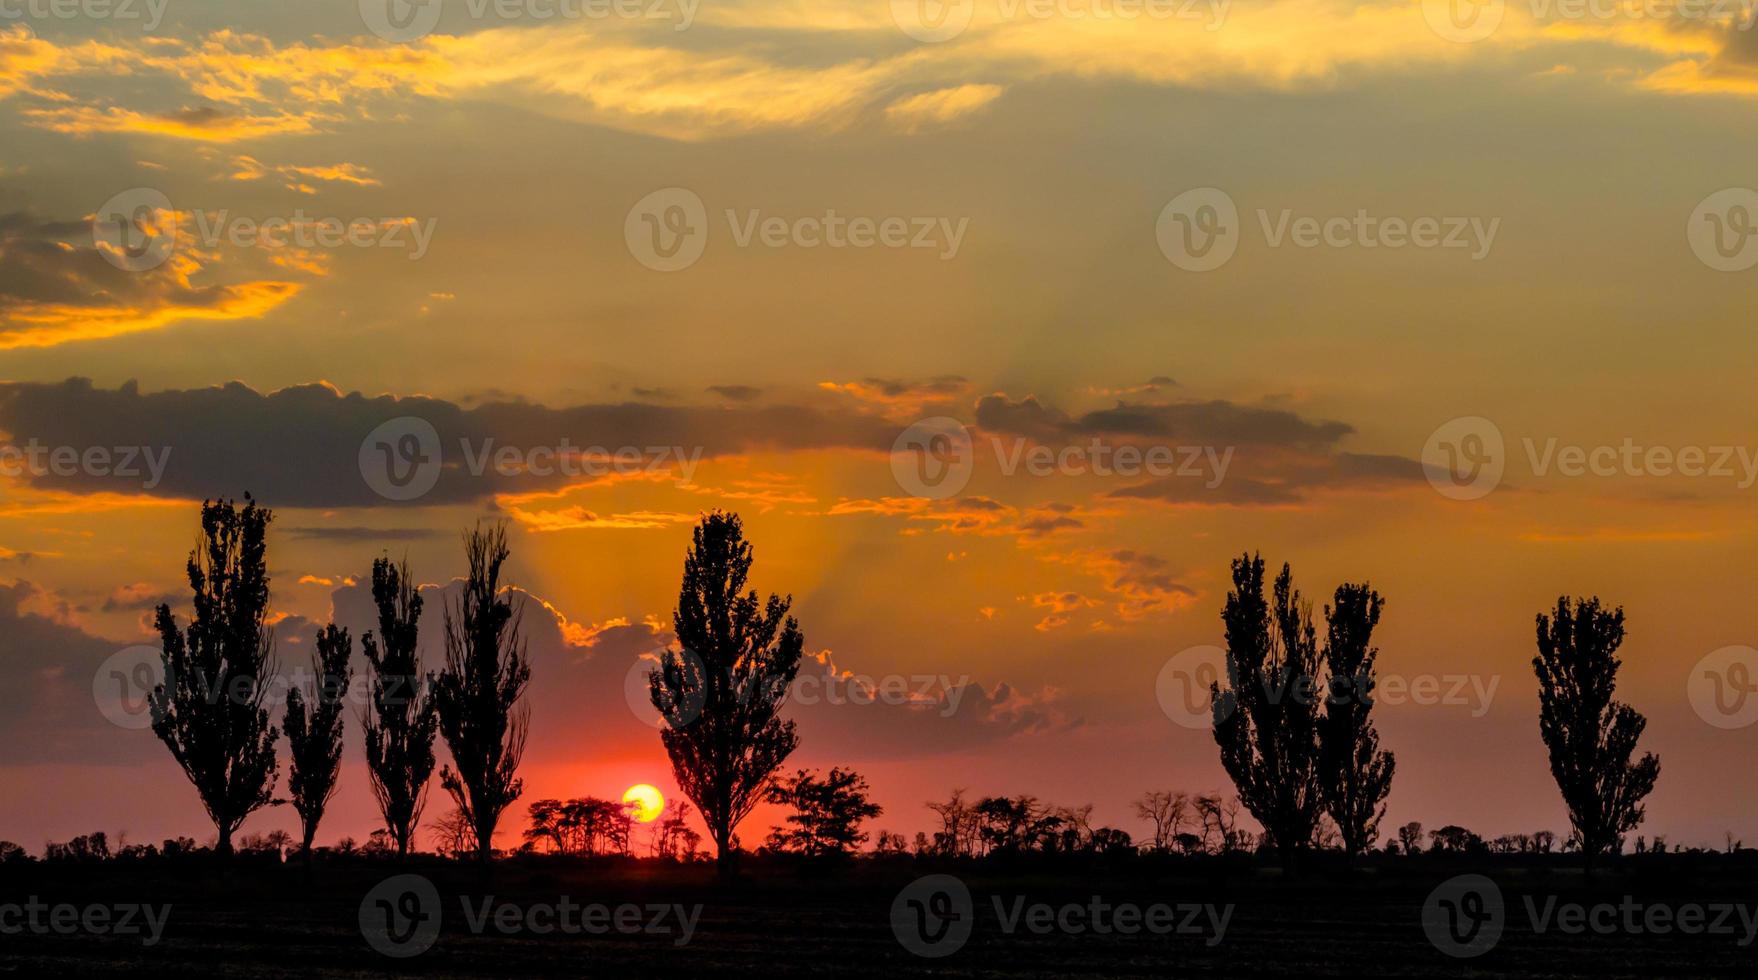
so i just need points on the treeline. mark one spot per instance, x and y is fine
(1293, 723)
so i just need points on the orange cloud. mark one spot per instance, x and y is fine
(204, 124)
(50, 324)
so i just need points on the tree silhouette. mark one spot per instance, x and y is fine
(1266, 722)
(478, 693)
(1590, 737)
(314, 734)
(959, 832)
(1354, 775)
(720, 693)
(1011, 825)
(585, 826)
(1410, 836)
(400, 719)
(209, 711)
(1166, 810)
(675, 840)
(1454, 839)
(1220, 823)
(828, 812)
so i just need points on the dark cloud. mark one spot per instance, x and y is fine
(1288, 481)
(48, 709)
(945, 385)
(736, 393)
(302, 446)
(1210, 423)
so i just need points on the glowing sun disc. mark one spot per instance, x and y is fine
(646, 803)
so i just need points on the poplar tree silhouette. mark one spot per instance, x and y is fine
(209, 711)
(1354, 775)
(1266, 722)
(400, 719)
(720, 694)
(478, 692)
(314, 734)
(1590, 737)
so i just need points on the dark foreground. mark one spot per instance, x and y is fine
(1654, 916)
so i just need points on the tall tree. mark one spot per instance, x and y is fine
(400, 718)
(478, 693)
(209, 711)
(1590, 737)
(1355, 776)
(721, 693)
(1266, 722)
(827, 813)
(314, 733)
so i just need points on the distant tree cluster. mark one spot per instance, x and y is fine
(1013, 825)
(587, 827)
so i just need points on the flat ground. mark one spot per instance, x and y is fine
(268, 919)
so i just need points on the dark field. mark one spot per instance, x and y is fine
(268, 919)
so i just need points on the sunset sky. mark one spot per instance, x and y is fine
(507, 295)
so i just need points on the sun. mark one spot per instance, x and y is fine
(645, 802)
